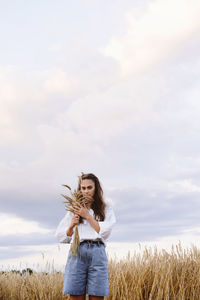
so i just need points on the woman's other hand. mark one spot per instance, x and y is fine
(74, 221)
(81, 211)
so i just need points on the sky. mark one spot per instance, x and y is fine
(106, 87)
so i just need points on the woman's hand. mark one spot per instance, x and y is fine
(75, 220)
(84, 213)
(81, 211)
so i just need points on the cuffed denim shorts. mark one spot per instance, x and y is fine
(87, 273)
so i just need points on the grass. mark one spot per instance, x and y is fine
(151, 274)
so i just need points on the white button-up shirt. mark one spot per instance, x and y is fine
(86, 231)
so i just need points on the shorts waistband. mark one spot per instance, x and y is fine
(92, 242)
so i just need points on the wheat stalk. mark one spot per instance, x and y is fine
(76, 197)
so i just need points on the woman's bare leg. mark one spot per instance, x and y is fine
(96, 297)
(77, 297)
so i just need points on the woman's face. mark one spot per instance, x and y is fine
(87, 187)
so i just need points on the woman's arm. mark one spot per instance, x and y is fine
(106, 226)
(61, 230)
(102, 227)
(93, 223)
(84, 213)
(69, 231)
(74, 221)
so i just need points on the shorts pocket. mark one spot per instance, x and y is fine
(103, 253)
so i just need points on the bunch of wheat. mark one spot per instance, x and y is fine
(76, 197)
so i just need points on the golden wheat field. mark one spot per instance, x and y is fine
(151, 274)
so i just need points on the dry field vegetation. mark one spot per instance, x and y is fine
(151, 274)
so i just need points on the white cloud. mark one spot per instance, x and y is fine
(59, 82)
(17, 94)
(11, 224)
(109, 113)
(158, 32)
(183, 186)
(28, 100)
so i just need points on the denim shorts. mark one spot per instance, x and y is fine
(87, 273)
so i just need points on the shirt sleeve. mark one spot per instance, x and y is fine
(60, 233)
(107, 225)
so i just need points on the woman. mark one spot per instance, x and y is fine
(87, 273)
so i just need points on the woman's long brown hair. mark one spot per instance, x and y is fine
(98, 205)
